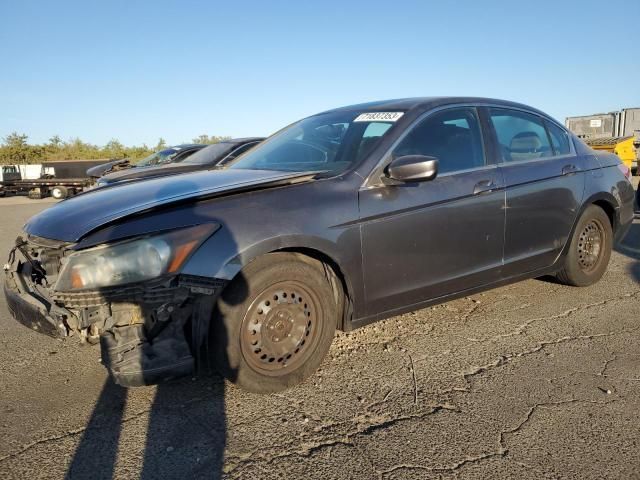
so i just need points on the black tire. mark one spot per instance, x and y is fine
(59, 192)
(590, 249)
(274, 323)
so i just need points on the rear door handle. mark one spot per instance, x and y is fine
(569, 169)
(484, 186)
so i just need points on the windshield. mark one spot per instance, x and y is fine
(209, 155)
(158, 158)
(330, 142)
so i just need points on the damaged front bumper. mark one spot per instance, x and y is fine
(148, 332)
(32, 310)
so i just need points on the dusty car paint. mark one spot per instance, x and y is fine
(394, 248)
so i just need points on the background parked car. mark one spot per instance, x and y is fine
(215, 155)
(176, 153)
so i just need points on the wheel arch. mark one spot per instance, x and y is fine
(314, 249)
(607, 202)
(604, 200)
(609, 209)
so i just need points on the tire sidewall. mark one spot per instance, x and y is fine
(575, 275)
(62, 193)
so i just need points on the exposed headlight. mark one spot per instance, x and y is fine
(131, 261)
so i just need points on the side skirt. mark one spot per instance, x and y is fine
(361, 322)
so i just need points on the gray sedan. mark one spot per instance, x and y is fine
(341, 219)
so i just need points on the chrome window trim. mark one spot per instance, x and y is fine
(372, 180)
(467, 170)
(444, 175)
(534, 160)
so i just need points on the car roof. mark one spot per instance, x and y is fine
(424, 103)
(242, 140)
(187, 145)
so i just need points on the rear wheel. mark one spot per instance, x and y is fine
(590, 249)
(59, 192)
(274, 323)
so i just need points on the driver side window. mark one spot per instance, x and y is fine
(452, 136)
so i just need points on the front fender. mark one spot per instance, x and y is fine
(222, 257)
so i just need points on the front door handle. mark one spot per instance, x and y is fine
(484, 186)
(569, 169)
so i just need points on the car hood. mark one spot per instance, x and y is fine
(148, 172)
(72, 219)
(99, 170)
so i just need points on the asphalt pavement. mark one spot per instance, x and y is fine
(532, 380)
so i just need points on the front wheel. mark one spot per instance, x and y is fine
(590, 249)
(274, 323)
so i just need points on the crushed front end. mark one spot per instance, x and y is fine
(149, 331)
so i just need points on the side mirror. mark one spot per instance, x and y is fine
(412, 168)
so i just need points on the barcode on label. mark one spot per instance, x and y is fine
(379, 117)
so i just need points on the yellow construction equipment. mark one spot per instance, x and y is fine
(616, 132)
(627, 148)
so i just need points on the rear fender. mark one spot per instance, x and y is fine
(596, 198)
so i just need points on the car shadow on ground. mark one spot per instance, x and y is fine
(186, 424)
(630, 247)
(186, 432)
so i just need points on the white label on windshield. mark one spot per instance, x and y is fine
(379, 117)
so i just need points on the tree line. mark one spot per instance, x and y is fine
(15, 149)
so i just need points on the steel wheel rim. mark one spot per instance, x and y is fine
(590, 246)
(280, 330)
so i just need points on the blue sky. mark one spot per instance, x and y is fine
(140, 70)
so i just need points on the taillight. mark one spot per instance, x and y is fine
(626, 171)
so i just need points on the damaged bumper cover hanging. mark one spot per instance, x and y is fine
(149, 332)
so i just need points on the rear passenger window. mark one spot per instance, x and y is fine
(521, 136)
(453, 136)
(559, 139)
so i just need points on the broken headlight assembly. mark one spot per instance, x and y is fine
(131, 261)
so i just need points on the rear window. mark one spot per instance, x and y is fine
(209, 155)
(559, 139)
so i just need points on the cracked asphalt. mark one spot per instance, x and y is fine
(532, 380)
